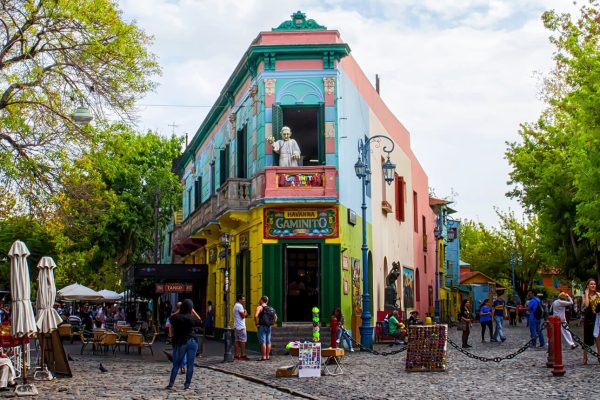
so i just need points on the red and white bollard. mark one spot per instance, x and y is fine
(334, 328)
(558, 367)
(550, 337)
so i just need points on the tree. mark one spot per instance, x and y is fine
(56, 55)
(107, 205)
(556, 167)
(494, 251)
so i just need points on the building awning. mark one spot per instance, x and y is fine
(188, 245)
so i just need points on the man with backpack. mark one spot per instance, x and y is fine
(264, 317)
(536, 315)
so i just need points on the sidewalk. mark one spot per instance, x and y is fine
(366, 376)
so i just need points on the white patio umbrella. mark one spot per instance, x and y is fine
(77, 292)
(47, 317)
(110, 295)
(23, 320)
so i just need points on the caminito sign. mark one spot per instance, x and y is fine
(301, 223)
(173, 287)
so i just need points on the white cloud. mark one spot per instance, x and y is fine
(458, 74)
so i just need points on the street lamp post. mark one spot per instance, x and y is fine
(512, 267)
(363, 173)
(227, 331)
(437, 233)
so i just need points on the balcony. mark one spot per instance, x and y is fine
(310, 182)
(234, 195)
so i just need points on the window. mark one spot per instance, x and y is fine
(197, 192)
(415, 212)
(223, 165)
(190, 205)
(425, 264)
(400, 195)
(212, 178)
(242, 152)
(308, 129)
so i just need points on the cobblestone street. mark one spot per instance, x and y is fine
(365, 376)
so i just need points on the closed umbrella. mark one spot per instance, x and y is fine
(23, 320)
(47, 317)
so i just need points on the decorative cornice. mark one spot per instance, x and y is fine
(299, 22)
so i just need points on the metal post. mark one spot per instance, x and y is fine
(559, 368)
(366, 330)
(363, 172)
(512, 267)
(227, 331)
(437, 281)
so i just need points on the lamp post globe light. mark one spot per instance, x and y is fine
(364, 174)
(227, 331)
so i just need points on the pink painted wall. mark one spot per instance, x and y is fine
(297, 37)
(420, 182)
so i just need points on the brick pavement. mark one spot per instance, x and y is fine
(366, 376)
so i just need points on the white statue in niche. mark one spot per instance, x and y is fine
(287, 148)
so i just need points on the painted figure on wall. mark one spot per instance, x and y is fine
(287, 148)
(391, 293)
(409, 287)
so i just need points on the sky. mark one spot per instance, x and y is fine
(461, 75)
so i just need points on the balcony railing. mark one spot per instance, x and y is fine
(234, 195)
(317, 182)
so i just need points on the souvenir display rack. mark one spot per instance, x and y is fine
(427, 348)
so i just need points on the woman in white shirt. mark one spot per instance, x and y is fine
(559, 308)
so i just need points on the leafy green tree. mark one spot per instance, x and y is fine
(107, 211)
(493, 251)
(556, 166)
(54, 56)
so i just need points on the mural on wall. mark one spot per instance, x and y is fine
(356, 299)
(321, 222)
(408, 283)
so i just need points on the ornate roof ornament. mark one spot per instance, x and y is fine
(299, 22)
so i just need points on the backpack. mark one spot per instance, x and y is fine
(267, 316)
(539, 311)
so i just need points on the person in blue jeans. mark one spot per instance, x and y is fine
(535, 325)
(485, 318)
(184, 342)
(341, 330)
(499, 307)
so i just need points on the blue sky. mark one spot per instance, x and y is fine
(461, 75)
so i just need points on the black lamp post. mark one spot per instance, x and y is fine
(364, 174)
(437, 233)
(227, 331)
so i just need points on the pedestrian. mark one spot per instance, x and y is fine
(239, 324)
(341, 330)
(185, 342)
(591, 300)
(499, 306)
(396, 328)
(534, 323)
(209, 320)
(485, 318)
(511, 306)
(264, 317)
(466, 318)
(559, 308)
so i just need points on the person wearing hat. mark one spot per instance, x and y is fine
(559, 309)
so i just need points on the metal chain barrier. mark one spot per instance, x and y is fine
(580, 341)
(498, 359)
(374, 352)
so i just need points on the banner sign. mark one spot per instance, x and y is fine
(301, 223)
(309, 360)
(300, 180)
(173, 287)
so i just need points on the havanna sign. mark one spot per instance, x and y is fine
(301, 223)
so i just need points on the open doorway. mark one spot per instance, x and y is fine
(301, 282)
(304, 123)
